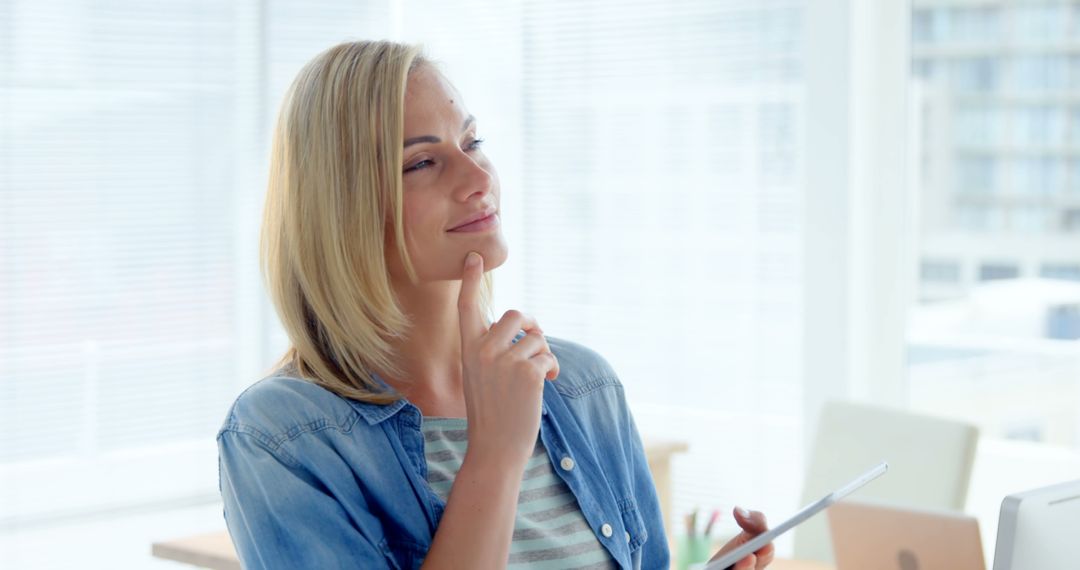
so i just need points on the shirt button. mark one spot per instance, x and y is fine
(567, 464)
(627, 536)
(606, 530)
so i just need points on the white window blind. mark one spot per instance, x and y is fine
(650, 161)
(133, 144)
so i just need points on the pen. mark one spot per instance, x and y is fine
(712, 521)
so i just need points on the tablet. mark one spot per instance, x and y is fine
(768, 536)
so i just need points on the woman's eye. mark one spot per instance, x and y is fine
(473, 145)
(419, 166)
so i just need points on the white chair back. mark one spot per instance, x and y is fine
(930, 462)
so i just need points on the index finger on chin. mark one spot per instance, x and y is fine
(470, 317)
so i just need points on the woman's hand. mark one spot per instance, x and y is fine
(503, 381)
(753, 524)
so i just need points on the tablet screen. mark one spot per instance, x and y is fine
(810, 510)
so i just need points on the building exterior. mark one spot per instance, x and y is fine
(996, 100)
(997, 89)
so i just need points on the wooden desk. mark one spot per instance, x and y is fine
(212, 550)
(658, 453)
(798, 565)
(215, 550)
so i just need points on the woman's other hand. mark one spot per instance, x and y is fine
(752, 524)
(503, 381)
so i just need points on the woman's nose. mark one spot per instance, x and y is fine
(474, 178)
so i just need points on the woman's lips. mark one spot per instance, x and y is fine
(479, 225)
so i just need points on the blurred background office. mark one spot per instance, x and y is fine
(749, 208)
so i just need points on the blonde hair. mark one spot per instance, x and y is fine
(335, 184)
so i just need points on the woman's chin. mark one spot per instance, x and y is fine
(492, 247)
(494, 255)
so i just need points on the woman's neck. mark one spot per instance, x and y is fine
(430, 352)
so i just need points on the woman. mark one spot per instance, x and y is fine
(403, 429)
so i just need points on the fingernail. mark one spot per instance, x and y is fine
(743, 512)
(472, 259)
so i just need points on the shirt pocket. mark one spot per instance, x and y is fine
(633, 523)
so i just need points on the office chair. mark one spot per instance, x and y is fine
(930, 461)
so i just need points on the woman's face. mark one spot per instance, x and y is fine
(446, 180)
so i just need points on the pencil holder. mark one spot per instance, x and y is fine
(692, 551)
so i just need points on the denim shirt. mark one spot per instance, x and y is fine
(313, 480)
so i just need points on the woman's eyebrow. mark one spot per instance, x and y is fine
(434, 139)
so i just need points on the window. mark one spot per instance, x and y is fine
(1065, 271)
(992, 271)
(978, 74)
(133, 144)
(1038, 23)
(975, 217)
(1034, 73)
(134, 335)
(1073, 185)
(940, 271)
(975, 24)
(1063, 322)
(1039, 175)
(128, 188)
(1038, 125)
(925, 69)
(1074, 125)
(1074, 72)
(922, 26)
(1029, 219)
(998, 195)
(1071, 220)
(978, 126)
(976, 174)
(672, 139)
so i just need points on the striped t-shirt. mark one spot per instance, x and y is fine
(549, 529)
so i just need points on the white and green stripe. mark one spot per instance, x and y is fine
(549, 531)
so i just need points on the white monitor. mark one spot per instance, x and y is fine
(1040, 529)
